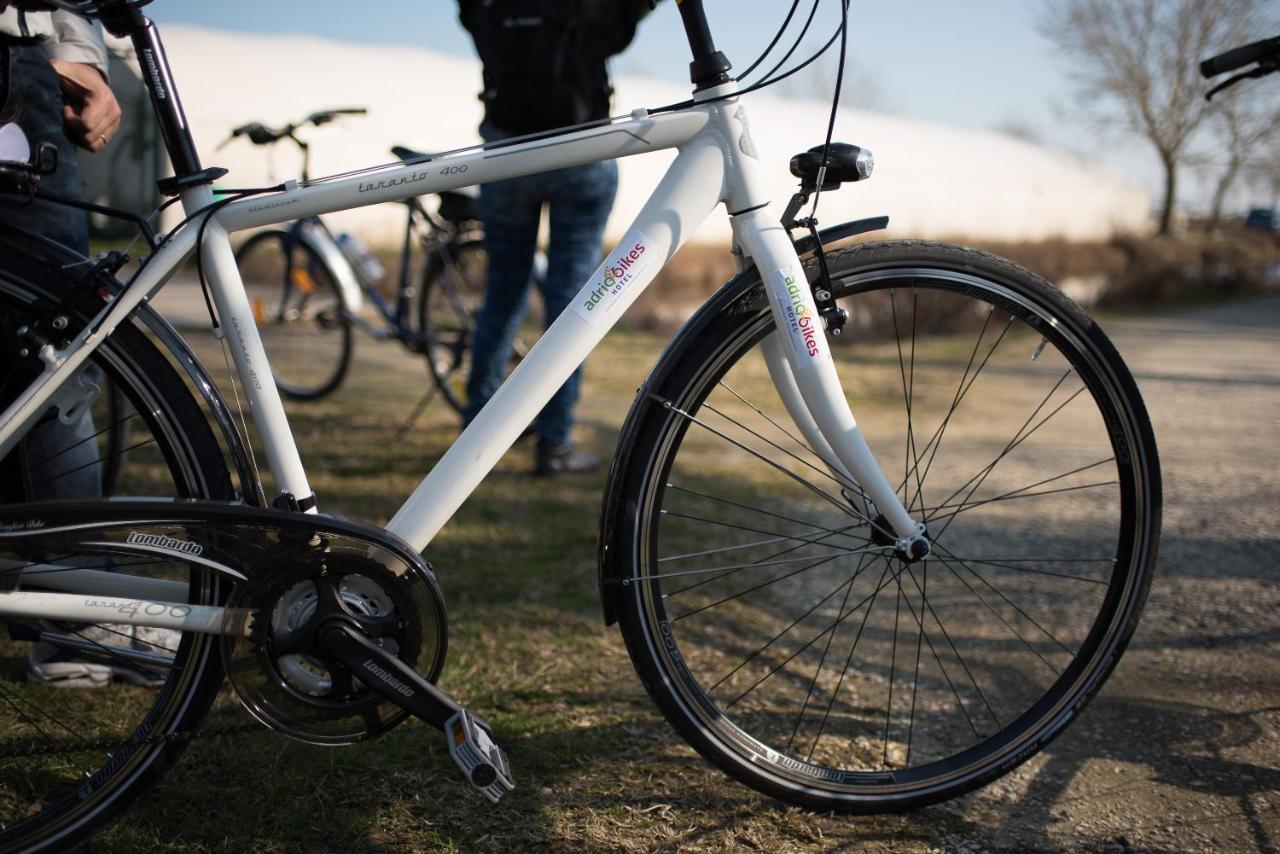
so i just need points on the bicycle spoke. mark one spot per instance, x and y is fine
(726, 570)
(819, 540)
(893, 663)
(9, 696)
(1018, 439)
(1005, 563)
(973, 505)
(947, 635)
(831, 469)
(1047, 480)
(999, 616)
(93, 464)
(756, 587)
(788, 628)
(843, 506)
(752, 509)
(825, 650)
(840, 618)
(945, 556)
(915, 682)
(844, 671)
(962, 389)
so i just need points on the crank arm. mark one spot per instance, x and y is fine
(470, 740)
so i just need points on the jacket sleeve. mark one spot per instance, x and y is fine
(76, 40)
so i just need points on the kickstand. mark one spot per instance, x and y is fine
(403, 429)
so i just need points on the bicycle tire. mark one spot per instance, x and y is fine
(450, 299)
(736, 653)
(51, 802)
(300, 311)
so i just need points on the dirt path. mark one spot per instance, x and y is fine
(1182, 748)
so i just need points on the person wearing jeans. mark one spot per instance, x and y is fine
(53, 86)
(579, 200)
(544, 68)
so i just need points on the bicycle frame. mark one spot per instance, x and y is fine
(716, 164)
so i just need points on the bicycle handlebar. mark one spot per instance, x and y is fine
(260, 134)
(1259, 51)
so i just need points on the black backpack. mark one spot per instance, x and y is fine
(541, 68)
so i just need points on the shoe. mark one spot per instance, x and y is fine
(63, 667)
(552, 459)
(50, 665)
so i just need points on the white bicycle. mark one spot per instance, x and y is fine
(841, 630)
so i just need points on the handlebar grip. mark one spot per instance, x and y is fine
(325, 116)
(1237, 57)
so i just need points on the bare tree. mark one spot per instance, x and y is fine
(1263, 173)
(1141, 56)
(1248, 132)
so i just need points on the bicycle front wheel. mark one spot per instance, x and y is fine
(85, 708)
(775, 625)
(299, 311)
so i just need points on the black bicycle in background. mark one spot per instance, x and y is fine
(309, 286)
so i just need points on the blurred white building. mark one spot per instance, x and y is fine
(932, 181)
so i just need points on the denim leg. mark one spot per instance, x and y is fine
(35, 103)
(55, 460)
(581, 198)
(510, 213)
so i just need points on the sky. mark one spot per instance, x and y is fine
(976, 64)
(980, 63)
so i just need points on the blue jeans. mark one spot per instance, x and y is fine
(55, 460)
(31, 96)
(579, 199)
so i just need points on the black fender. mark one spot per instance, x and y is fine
(52, 253)
(741, 293)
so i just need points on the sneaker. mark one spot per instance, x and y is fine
(64, 667)
(50, 665)
(552, 459)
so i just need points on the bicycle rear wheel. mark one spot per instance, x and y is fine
(769, 615)
(70, 759)
(453, 292)
(300, 313)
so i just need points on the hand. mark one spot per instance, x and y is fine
(91, 115)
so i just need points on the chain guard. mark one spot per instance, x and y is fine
(267, 567)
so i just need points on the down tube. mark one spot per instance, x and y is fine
(688, 192)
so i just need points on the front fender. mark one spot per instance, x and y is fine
(741, 293)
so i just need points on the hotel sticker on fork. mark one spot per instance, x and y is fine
(800, 317)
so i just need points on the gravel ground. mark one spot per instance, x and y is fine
(1181, 750)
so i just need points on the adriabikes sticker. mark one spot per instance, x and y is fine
(800, 317)
(612, 279)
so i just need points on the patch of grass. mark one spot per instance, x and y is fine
(596, 766)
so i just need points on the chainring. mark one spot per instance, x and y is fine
(275, 565)
(273, 663)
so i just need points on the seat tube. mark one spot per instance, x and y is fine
(250, 358)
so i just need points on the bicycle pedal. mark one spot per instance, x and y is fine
(481, 760)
